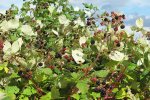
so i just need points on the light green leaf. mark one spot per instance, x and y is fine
(121, 94)
(46, 71)
(82, 86)
(46, 97)
(132, 66)
(102, 73)
(29, 91)
(95, 95)
(2, 66)
(76, 96)
(12, 89)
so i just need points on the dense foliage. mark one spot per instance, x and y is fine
(51, 50)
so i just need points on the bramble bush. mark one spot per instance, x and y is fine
(51, 50)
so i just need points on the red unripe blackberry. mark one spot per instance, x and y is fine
(102, 23)
(116, 29)
(1, 44)
(94, 79)
(66, 57)
(51, 67)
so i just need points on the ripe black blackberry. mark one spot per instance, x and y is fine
(88, 23)
(98, 82)
(106, 86)
(105, 19)
(102, 92)
(96, 89)
(122, 26)
(104, 82)
(110, 87)
(92, 41)
(58, 55)
(123, 16)
(118, 44)
(116, 17)
(20, 73)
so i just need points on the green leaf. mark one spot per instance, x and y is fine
(86, 5)
(63, 83)
(111, 63)
(74, 75)
(29, 91)
(82, 86)
(101, 73)
(12, 89)
(129, 77)
(95, 95)
(46, 97)
(55, 93)
(76, 96)
(121, 94)
(2, 66)
(94, 48)
(115, 90)
(46, 71)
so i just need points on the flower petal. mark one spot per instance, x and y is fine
(139, 22)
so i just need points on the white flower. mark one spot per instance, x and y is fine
(117, 56)
(59, 9)
(64, 20)
(88, 13)
(101, 46)
(82, 40)
(113, 38)
(10, 49)
(4, 26)
(55, 32)
(79, 22)
(27, 30)
(40, 23)
(139, 22)
(78, 56)
(9, 25)
(51, 9)
(144, 42)
(140, 62)
(76, 8)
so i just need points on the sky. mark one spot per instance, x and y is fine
(133, 9)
